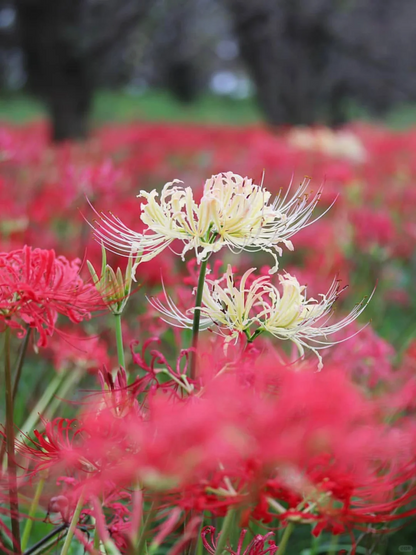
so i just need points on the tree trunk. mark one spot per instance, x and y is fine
(57, 68)
(69, 111)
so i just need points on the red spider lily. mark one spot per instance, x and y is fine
(260, 545)
(36, 286)
(57, 446)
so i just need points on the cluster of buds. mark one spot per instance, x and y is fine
(113, 286)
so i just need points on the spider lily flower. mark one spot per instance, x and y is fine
(292, 316)
(257, 303)
(36, 286)
(229, 307)
(233, 213)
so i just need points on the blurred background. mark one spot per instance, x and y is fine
(280, 61)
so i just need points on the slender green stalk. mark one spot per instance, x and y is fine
(225, 532)
(315, 545)
(199, 548)
(71, 379)
(119, 341)
(20, 361)
(197, 315)
(42, 545)
(73, 525)
(42, 404)
(142, 534)
(32, 513)
(333, 545)
(285, 538)
(11, 462)
(17, 373)
(97, 540)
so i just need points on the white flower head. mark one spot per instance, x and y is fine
(256, 306)
(305, 322)
(227, 308)
(233, 212)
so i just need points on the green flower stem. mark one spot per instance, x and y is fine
(48, 541)
(199, 549)
(97, 541)
(11, 462)
(73, 525)
(42, 404)
(119, 341)
(20, 361)
(225, 532)
(17, 373)
(197, 315)
(32, 513)
(315, 545)
(71, 379)
(141, 548)
(285, 538)
(333, 545)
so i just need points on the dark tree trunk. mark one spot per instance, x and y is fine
(58, 69)
(69, 111)
(286, 51)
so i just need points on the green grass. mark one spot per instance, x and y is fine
(20, 108)
(151, 106)
(159, 105)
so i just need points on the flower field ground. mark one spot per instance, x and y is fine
(200, 399)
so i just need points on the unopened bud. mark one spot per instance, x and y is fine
(113, 286)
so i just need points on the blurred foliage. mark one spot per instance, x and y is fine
(152, 105)
(159, 105)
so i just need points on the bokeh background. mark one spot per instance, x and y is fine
(102, 98)
(280, 61)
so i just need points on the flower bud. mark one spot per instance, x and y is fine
(113, 287)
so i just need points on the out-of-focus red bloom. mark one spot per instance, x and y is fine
(291, 445)
(373, 228)
(56, 447)
(75, 349)
(36, 286)
(366, 357)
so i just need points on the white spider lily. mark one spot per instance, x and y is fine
(233, 212)
(305, 321)
(228, 308)
(287, 315)
(231, 307)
